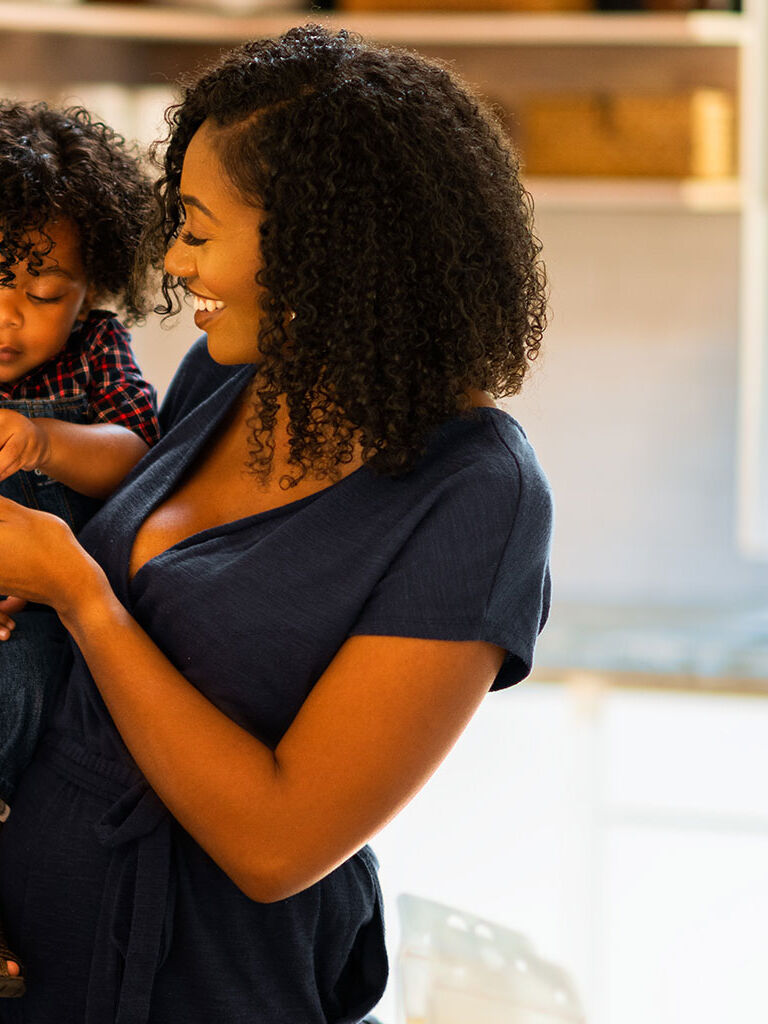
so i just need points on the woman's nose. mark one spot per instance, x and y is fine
(10, 314)
(179, 260)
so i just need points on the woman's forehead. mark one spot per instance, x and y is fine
(205, 186)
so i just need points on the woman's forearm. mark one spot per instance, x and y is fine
(215, 778)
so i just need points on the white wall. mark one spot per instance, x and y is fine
(633, 408)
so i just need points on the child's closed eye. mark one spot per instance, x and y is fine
(43, 298)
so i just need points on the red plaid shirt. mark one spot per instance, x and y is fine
(96, 361)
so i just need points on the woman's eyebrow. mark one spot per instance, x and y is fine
(192, 201)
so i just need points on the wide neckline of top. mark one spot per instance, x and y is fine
(234, 387)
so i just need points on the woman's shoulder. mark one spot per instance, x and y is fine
(479, 475)
(489, 445)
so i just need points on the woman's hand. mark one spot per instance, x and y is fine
(40, 560)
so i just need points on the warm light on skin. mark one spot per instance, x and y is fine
(217, 251)
(38, 312)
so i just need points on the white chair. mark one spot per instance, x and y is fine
(455, 968)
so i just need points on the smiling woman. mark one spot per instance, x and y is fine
(289, 613)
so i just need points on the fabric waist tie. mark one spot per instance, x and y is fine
(135, 923)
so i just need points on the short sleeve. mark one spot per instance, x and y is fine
(476, 567)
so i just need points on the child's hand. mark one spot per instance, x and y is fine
(23, 444)
(9, 606)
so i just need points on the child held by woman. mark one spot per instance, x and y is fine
(75, 413)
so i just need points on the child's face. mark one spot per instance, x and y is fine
(37, 313)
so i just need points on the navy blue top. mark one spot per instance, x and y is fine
(252, 612)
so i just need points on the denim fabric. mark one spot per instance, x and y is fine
(31, 660)
(31, 664)
(35, 489)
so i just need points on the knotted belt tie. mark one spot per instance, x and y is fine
(135, 923)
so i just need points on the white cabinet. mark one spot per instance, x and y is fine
(624, 832)
(682, 924)
(681, 915)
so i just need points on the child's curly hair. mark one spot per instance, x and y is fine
(61, 163)
(395, 228)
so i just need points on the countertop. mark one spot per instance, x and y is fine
(700, 648)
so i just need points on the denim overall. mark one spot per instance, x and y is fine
(31, 660)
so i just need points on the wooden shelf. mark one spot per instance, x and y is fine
(189, 25)
(693, 195)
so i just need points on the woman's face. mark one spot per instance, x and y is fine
(217, 254)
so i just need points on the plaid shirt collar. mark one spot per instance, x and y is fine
(42, 381)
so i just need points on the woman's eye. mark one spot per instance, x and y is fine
(43, 299)
(189, 239)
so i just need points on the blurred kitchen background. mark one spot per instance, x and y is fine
(613, 810)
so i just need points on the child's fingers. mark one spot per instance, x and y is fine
(7, 625)
(11, 605)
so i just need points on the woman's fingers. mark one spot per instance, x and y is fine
(7, 625)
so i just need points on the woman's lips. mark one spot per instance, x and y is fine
(203, 317)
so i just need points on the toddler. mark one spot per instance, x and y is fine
(75, 413)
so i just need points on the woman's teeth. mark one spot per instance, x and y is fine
(206, 305)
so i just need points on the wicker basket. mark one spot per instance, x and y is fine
(684, 135)
(465, 5)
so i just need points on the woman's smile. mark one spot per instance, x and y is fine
(206, 310)
(209, 304)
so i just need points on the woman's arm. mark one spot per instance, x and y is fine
(374, 728)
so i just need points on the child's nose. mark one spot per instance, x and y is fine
(10, 314)
(179, 260)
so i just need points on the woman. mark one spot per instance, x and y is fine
(268, 664)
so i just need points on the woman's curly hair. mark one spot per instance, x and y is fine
(395, 228)
(60, 163)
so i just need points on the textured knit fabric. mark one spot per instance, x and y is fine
(118, 913)
(96, 362)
